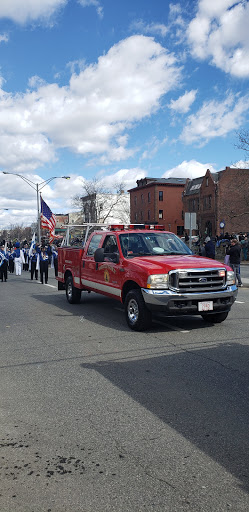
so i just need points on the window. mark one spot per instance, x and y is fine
(135, 200)
(136, 216)
(207, 202)
(141, 215)
(192, 205)
(148, 214)
(149, 199)
(160, 216)
(93, 245)
(110, 244)
(160, 195)
(206, 182)
(142, 198)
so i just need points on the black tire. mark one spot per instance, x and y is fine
(73, 294)
(138, 317)
(215, 318)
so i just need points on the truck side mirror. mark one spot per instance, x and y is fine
(99, 255)
(114, 256)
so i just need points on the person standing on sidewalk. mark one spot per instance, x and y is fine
(244, 245)
(234, 251)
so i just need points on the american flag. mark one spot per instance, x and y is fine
(48, 219)
(52, 237)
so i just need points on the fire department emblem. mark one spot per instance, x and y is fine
(106, 276)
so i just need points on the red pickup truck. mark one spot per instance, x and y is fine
(149, 271)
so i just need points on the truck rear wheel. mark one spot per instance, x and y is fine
(215, 318)
(138, 317)
(73, 294)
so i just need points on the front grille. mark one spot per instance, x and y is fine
(197, 280)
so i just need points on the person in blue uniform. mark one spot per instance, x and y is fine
(3, 263)
(26, 257)
(43, 262)
(11, 261)
(19, 259)
(33, 268)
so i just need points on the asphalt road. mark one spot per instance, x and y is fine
(96, 418)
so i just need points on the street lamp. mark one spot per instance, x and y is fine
(37, 187)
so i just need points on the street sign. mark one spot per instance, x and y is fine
(190, 221)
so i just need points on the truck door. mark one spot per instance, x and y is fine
(88, 270)
(108, 272)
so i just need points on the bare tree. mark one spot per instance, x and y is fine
(17, 232)
(100, 205)
(243, 141)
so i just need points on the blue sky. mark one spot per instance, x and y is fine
(117, 91)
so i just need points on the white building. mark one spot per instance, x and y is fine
(106, 208)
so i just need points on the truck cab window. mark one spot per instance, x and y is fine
(93, 245)
(110, 244)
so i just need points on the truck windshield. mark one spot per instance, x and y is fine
(152, 244)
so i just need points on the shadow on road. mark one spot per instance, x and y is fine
(109, 313)
(202, 394)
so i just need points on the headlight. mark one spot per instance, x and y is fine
(230, 277)
(159, 281)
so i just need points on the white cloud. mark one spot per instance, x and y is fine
(94, 3)
(126, 177)
(219, 32)
(149, 28)
(189, 169)
(4, 38)
(36, 81)
(183, 103)
(91, 116)
(215, 119)
(29, 10)
(153, 147)
(241, 164)
(24, 153)
(176, 15)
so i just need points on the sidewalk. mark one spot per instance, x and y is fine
(245, 280)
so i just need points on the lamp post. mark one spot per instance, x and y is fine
(37, 187)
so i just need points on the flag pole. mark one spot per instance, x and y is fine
(38, 214)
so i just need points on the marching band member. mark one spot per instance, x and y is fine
(19, 259)
(42, 262)
(3, 264)
(33, 260)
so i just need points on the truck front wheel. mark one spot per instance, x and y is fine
(138, 317)
(215, 318)
(73, 294)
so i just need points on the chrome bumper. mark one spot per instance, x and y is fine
(171, 301)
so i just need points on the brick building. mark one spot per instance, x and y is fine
(221, 197)
(158, 201)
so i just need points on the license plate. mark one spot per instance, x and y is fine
(206, 305)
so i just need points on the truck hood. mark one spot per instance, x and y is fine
(163, 264)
